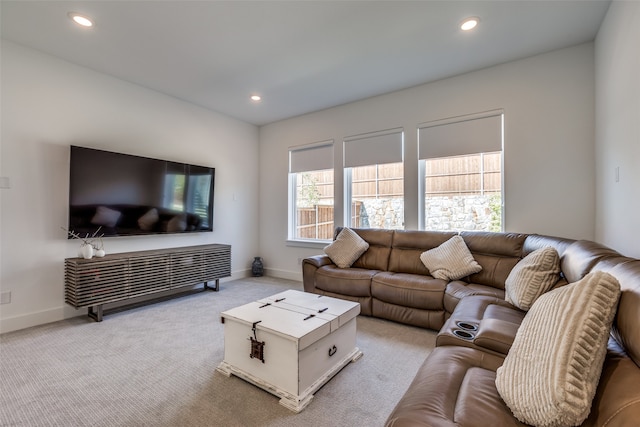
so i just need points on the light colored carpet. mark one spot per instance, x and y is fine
(155, 366)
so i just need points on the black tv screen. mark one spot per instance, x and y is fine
(124, 195)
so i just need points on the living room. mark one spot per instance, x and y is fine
(570, 124)
(570, 155)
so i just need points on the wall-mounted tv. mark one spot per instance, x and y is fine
(124, 195)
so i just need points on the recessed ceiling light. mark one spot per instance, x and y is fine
(80, 19)
(469, 23)
(255, 97)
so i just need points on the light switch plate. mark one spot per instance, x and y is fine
(5, 297)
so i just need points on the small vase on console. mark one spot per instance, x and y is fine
(90, 245)
(87, 251)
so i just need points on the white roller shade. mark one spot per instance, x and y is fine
(460, 136)
(311, 158)
(373, 148)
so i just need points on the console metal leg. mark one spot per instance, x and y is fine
(95, 315)
(215, 289)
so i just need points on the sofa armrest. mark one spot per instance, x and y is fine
(317, 261)
(496, 335)
(309, 267)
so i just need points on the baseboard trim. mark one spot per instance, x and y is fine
(284, 274)
(28, 320)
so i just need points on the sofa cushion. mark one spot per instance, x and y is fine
(428, 319)
(457, 290)
(409, 245)
(550, 375)
(377, 256)
(497, 254)
(451, 260)
(498, 244)
(409, 290)
(455, 387)
(534, 275)
(346, 248)
(355, 282)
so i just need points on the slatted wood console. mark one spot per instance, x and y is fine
(94, 282)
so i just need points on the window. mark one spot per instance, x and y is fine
(374, 180)
(311, 192)
(461, 173)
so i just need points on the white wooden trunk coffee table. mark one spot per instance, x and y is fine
(290, 344)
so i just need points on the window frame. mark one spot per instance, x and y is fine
(422, 161)
(292, 210)
(386, 137)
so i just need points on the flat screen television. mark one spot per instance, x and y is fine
(125, 195)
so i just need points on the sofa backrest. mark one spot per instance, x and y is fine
(408, 245)
(581, 256)
(497, 253)
(377, 256)
(399, 251)
(625, 328)
(538, 241)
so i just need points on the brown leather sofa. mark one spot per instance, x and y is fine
(456, 384)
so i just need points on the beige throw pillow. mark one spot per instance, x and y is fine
(347, 248)
(534, 275)
(550, 375)
(452, 260)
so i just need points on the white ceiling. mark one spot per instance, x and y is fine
(300, 56)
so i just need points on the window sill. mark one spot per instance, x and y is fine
(312, 244)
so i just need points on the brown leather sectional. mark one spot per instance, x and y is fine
(456, 384)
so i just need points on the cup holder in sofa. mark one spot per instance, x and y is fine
(465, 335)
(467, 326)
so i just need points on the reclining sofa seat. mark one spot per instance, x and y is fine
(456, 384)
(496, 320)
(465, 370)
(322, 276)
(390, 282)
(405, 292)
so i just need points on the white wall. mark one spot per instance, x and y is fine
(617, 58)
(49, 104)
(548, 102)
